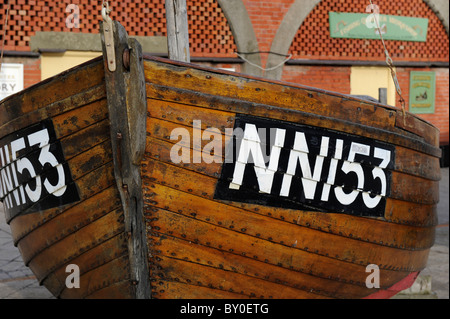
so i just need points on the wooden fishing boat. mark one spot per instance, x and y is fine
(164, 179)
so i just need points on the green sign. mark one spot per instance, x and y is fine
(421, 92)
(364, 26)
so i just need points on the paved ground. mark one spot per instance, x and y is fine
(18, 282)
(439, 259)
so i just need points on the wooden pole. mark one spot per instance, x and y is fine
(177, 30)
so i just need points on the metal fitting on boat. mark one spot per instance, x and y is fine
(126, 59)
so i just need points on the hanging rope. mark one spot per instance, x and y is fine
(288, 57)
(390, 64)
(5, 27)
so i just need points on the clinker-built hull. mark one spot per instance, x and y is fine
(170, 180)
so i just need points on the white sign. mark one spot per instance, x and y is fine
(11, 79)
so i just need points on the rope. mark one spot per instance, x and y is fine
(240, 54)
(267, 52)
(4, 35)
(390, 64)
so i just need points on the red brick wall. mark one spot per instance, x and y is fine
(332, 78)
(31, 69)
(210, 36)
(313, 39)
(31, 72)
(266, 17)
(209, 32)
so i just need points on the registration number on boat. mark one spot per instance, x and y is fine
(303, 167)
(33, 172)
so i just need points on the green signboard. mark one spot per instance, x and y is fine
(363, 26)
(421, 92)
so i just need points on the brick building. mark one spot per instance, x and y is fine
(290, 40)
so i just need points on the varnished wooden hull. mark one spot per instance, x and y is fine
(237, 249)
(90, 232)
(144, 225)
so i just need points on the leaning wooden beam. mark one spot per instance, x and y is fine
(177, 30)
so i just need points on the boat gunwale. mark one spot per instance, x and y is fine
(50, 79)
(282, 83)
(426, 147)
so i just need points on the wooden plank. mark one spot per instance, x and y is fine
(200, 275)
(89, 185)
(257, 91)
(100, 278)
(263, 109)
(365, 229)
(246, 224)
(418, 126)
(77, 243)
(168, 118)
(85, 139)
(267, 252)
(70, 103)
(65, 224)
(414, 189)
(97, 256)
(75, 120)
(185, 114)
(417, 163)
(413, 214)
(404, 187)
(161, 150)
(119, 290)
(63, 86)
(198, 139)
(164, 245)
(163, 289)
(88, 161)
(177, 177)
(364, 110)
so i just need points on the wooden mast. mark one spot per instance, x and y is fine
(177, 30)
